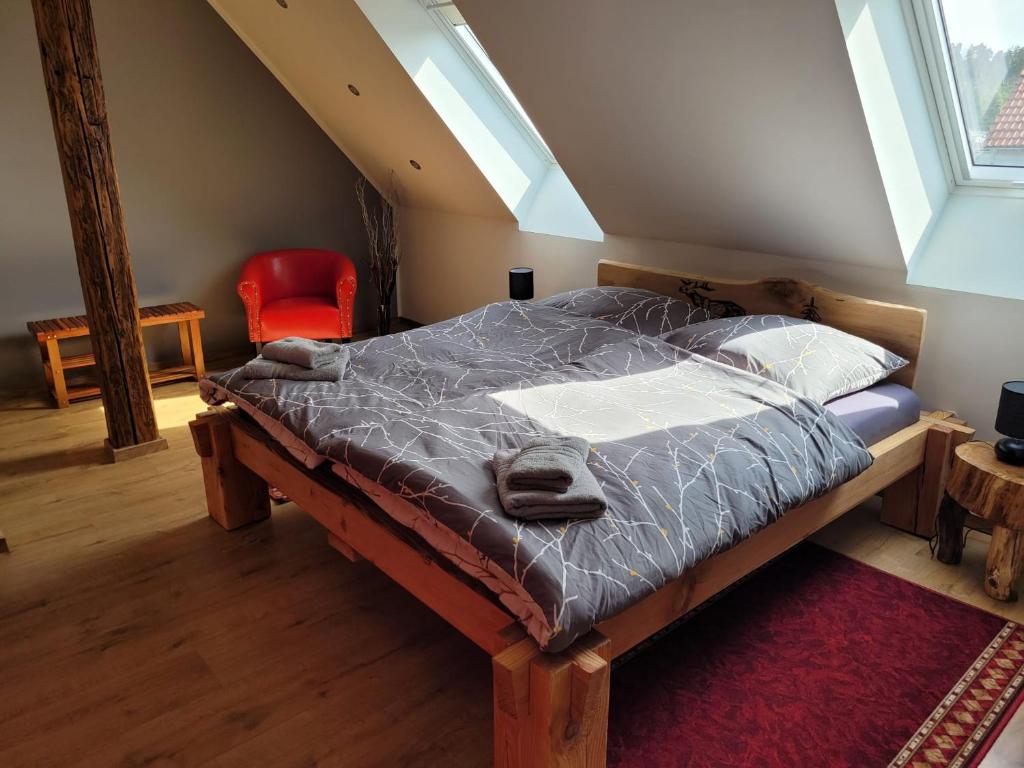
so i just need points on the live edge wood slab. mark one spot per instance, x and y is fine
(549, 709)
(898, 328)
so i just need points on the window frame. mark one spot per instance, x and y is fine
(439, 12)
(928, 33)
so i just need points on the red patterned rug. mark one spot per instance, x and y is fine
(818, 660)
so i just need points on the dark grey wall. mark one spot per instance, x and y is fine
(216, 161)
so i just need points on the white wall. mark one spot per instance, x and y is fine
(953, 237)
(455, 263)
(521, 171)
(734, 123)
(504, 156)
(976, 245)
(913, 170)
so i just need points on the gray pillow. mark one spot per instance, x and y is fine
(814, 360)
(634, 309)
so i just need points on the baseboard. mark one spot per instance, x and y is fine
(133, 451)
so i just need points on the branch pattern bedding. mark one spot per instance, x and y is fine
(693, 455)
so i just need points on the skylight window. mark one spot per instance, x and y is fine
(438, 50)
(974, 59)
(455, 26)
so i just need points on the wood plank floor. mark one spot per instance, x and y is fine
(134, 632)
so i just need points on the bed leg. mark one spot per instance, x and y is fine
(899, 502)
(235, 495)
(552, 709)
(912, 502)
(938, 459)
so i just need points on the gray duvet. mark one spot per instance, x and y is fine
(693, 456)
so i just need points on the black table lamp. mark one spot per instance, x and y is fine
(1010, 422)
(520, 283)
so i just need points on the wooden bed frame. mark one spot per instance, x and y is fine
(552, 709)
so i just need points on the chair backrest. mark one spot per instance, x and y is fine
(294, 272)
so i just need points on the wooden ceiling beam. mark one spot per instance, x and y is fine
(71, 69)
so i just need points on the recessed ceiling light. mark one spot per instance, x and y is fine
(415, 165)
(283, 3)
(353, 89)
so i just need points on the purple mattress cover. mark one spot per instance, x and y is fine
(877, 412)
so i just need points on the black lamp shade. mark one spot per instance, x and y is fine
(1010, 417)
(520, 283)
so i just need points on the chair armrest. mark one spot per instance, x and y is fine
(345, 294)
(249, 291)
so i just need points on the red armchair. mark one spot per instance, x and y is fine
(298, 292)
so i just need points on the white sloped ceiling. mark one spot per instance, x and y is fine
(316, 48)
(734, 123)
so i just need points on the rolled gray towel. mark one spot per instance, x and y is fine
(584, 499)
(259, 368)
(296, 350)
(549, 464)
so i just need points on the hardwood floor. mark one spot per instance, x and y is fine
(135, 632)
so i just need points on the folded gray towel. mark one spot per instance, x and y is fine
(583, 500)
(296, 350)
(549, 464)
(259, 368)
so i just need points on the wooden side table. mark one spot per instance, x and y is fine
(987, 488)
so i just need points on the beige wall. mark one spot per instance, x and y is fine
(216, 161)
(454, 263)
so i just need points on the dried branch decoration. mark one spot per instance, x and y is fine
(385, 246)
(382, 232)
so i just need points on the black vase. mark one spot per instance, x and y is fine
(384, 316)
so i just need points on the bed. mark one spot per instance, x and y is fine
(394, 466)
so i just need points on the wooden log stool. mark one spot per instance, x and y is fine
(989, 489)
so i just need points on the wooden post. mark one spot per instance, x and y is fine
(235, 495)
(912, 502)
(71, 70)
(900, 502)
(551, 710)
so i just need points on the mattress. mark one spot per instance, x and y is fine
(877, 412)
(693, 455)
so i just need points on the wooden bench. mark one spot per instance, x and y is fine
(49, 332)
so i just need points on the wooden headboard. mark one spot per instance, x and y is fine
(897, 328)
